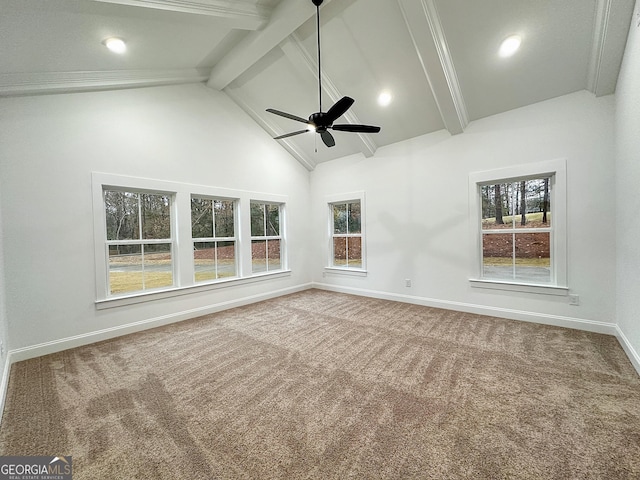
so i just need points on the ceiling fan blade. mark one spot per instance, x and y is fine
(290, 134)
(287, 115)
(338, 109)
(327, 138)
(356, 128)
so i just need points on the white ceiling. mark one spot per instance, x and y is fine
(437, 57)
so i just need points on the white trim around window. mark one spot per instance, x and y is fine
(182, 241)
(556, 169)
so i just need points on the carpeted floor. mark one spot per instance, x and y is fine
(322, 385)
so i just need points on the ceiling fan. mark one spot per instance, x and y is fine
(320, 121)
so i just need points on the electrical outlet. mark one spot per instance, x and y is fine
(407, 282)
(574, 300)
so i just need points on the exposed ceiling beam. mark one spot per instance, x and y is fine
(245, 14)
(306, 64)
(272, 130)
(13, 84)
(286, 17)
(609, 38)
(424, 25)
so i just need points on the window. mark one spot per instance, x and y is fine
(266, 239)
(346, 246)
(214, 241)
(517, 231)
(157, 239)
(521, 235)
(139, 241)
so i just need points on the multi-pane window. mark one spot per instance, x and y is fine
(157, 239)
(139, 240)
(266, 238)
(517, 230)
(214, 238)
(346, 234)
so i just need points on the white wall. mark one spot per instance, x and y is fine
(52, 143)
(418, 219)
(627, 187)
(416, 201)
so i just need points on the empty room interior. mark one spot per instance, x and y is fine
(321, 239)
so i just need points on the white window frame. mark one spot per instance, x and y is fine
(183, 264)
(556, 170)
(267, 238)
(330, 201)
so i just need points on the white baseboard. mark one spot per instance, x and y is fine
(543, 318)
(634, 357)
(4, 382)
(54, 346)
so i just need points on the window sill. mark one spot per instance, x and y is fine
(355, 272)
(177, 291)
(520, 287)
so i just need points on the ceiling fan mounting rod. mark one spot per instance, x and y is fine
(317, 3)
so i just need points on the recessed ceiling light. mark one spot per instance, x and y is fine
(384, 98)
(510, 45)
(115, 44)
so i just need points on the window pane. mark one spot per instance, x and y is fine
(497, 256)
(273, 220)
(201, 218)
(273, 260)
(354, 252)
(340, 218)
(204, 261)
(257, 219)
(226, 259)
(354, 217)
(533, 259)
(125, 268)
(158, 268)
(224, 218)
(156, 216)
(259, 256)
(536, 205)
(497, 206)
(340, 251)
(213, 260)
(122, 215)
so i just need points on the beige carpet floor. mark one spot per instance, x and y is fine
(322, 385)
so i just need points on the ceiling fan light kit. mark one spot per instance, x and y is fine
(321, 122)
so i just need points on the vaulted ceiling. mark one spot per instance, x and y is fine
(438, 58)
